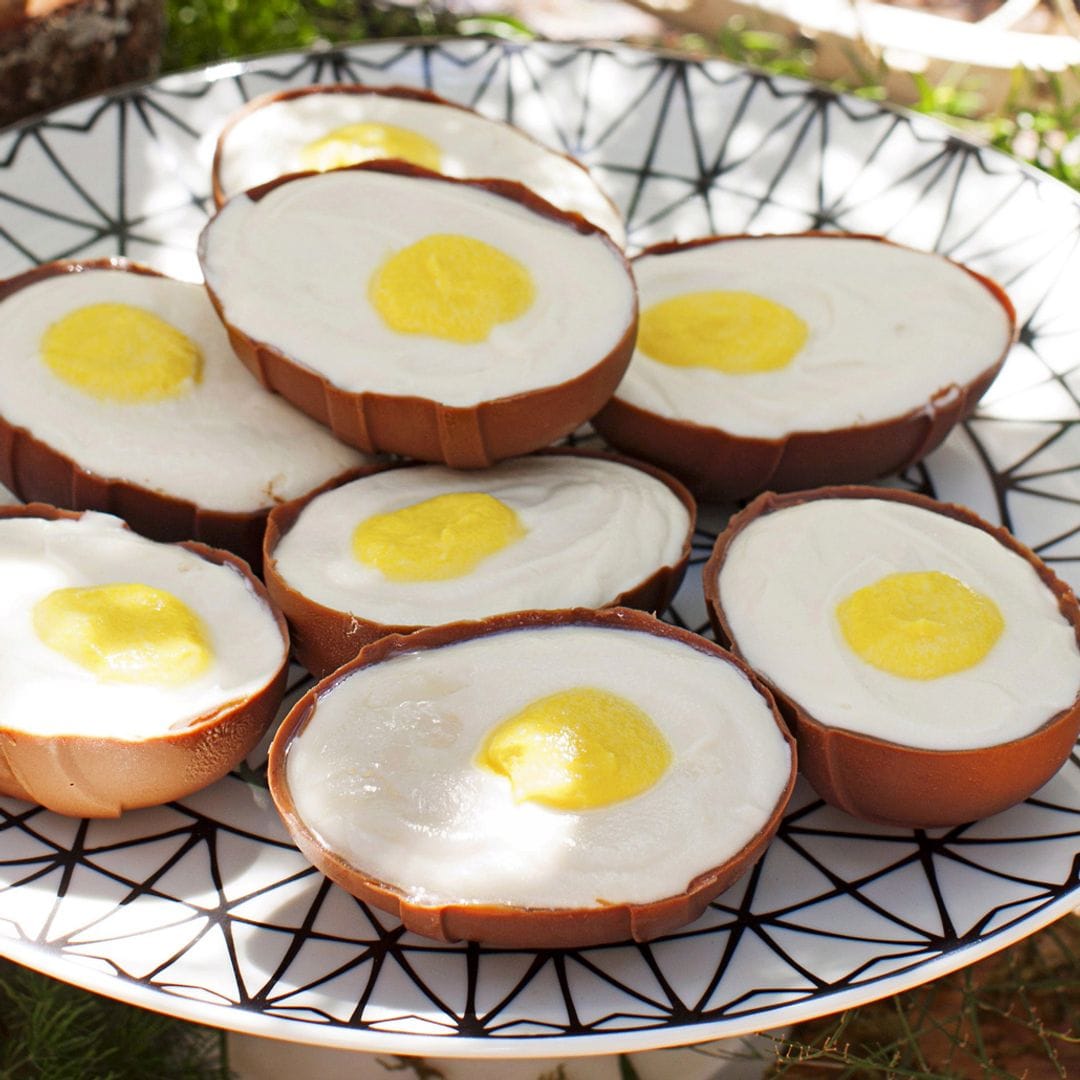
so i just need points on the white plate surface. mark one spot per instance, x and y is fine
(204, 909)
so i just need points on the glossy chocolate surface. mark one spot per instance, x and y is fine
(517, 927)
(718, 465)
(324, 638)
(97, 776)
(463, 437)
(889, 782)
(34, 471)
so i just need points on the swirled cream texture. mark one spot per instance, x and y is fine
(47, 691)
(295, 271)
(386, 773)
(589, 530)
(787, 572)
(887, 329)
(284, 136)
(217, 439)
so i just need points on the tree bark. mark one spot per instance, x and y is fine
(53, 51)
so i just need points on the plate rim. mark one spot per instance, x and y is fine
(523, 1047)
(338, 1035)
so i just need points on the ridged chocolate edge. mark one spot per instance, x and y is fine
(463, 437)
(324, 638)
(516, 927)
(35, 471)
(409, 92)
(102, 776)
(884, 781)
(716, 464)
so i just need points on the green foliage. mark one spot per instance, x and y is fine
(1040, 122)
(1041, 125)
(1013, 1015)
(205, 31)
(506, 27)
(759, 48)
(52, 1031)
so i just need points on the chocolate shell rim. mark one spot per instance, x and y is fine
(467, 436)
(229, 529)
(92, 775)
(636, 921)
(412, 93)
(929, 409)
(770, 502)
(659, 585)
(674, 247)
(214, 555)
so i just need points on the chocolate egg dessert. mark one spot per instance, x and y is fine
(454, 321)
(405, 547)
(120, 392)
(133, 672)
(506, 781)
(787, 362)
(331, 126)
(927, 660)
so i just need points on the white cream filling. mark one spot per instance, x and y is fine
(268, 141)
(384, 772)
(292, 270)
(594, 528)
(224, 444)
(785, 573)
(41, 691)
(888, 328)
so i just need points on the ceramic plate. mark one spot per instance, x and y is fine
(204, 909)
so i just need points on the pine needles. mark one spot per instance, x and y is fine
(52, 1031)
(1016, 1014)
(204, 31)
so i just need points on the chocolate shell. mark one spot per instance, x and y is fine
(35, 471)
(887, 782)
(97, 777)
(408, 93)
(324, 638)
(463, 437)
(506, 926)
(718, 465)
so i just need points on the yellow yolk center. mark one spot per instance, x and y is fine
(577, 750)
(737, 333)
(125, 633)
(355, 143)
(116, 352)
(439, 538)
(920, 625)
(450, 287)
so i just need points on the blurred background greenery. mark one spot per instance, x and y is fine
(1040, 121)
(202, 31)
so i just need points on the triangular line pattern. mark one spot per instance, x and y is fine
(324, 943)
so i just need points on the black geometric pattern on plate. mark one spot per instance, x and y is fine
(205, 903)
